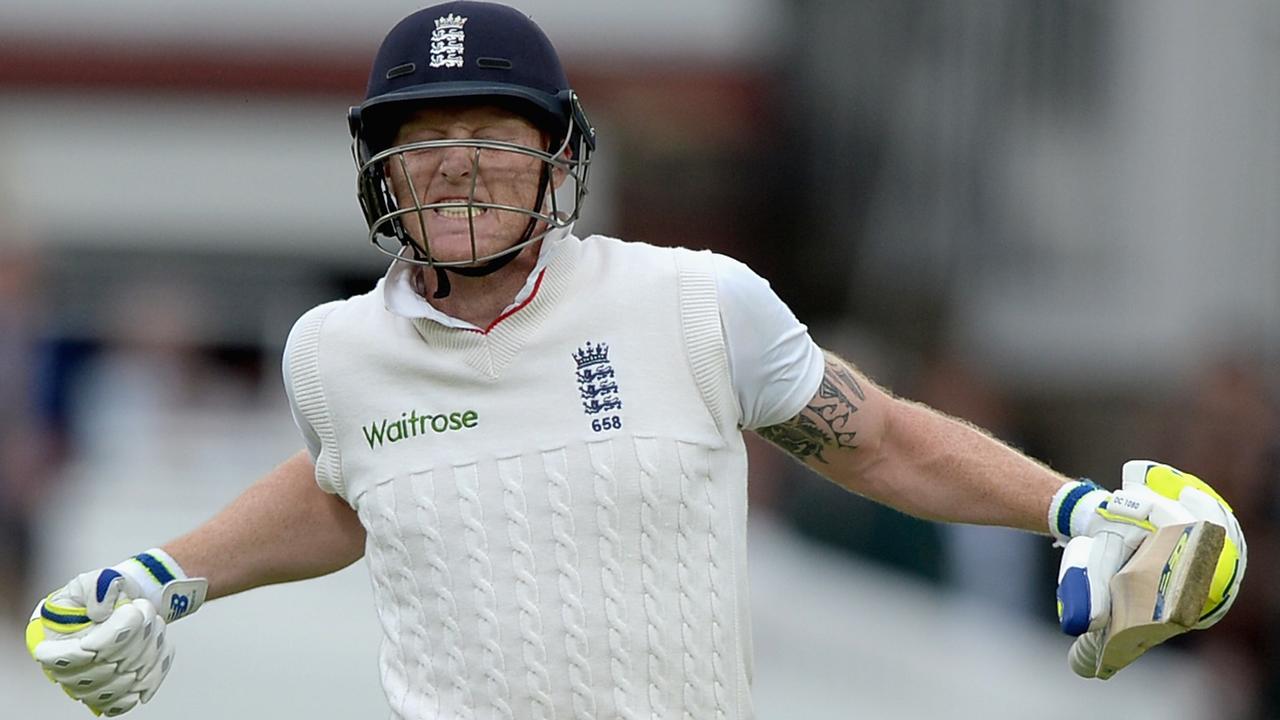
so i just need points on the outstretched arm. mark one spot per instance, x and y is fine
(283, 528)
(101, 636)
(913, 458)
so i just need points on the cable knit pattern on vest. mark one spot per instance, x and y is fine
(693, 465)
(655, 615)
(688, 577)
(482, 580)
(615, 602)
(570, 584)
(441, 581)
(379, 518)
(525, 565)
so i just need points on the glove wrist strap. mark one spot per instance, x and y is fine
(164, 583)
(1071, 508)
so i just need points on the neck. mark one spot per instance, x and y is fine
(479, 300)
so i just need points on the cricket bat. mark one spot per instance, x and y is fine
(1160, 592)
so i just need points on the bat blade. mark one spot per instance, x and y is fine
(1160, 592)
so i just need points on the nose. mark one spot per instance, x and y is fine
(458, 163)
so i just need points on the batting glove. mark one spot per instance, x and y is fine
(102, 636)
(1101, 531)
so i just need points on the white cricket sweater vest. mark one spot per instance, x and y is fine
(556, 510)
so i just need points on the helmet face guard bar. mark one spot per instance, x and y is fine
(569, 162)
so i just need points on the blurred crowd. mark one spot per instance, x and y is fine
(1227, 428)
(30, 440)
(67, 397)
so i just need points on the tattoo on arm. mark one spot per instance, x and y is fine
(826, 422)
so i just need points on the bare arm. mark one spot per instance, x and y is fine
(283, 528)
(913, 458)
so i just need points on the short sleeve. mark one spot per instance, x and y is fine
(309, 434)
(775, 366)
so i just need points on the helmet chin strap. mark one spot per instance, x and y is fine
(444, 286)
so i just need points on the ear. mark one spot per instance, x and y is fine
(396, 180)
(559, 174)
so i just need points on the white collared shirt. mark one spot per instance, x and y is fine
(400, 297)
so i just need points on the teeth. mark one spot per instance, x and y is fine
(459, 213)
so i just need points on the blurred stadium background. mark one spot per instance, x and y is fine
(1060, 220)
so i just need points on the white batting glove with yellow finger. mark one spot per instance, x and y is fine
(1100, 531)
(102, 636)
(1185, 577)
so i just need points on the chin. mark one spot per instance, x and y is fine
(453, 243)
(455, 248)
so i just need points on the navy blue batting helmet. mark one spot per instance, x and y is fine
(471, 52)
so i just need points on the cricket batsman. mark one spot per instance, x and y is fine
(536, 440)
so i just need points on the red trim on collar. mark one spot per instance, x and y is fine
(532, 294)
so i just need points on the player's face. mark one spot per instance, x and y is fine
(447, 175)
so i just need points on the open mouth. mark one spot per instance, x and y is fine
(460, 213)
(458, 208)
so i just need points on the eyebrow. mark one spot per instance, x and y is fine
(442, 127)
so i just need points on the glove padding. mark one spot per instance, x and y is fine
(101, 637)
(1105, 527)
(113, 665)
(1102, 530)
